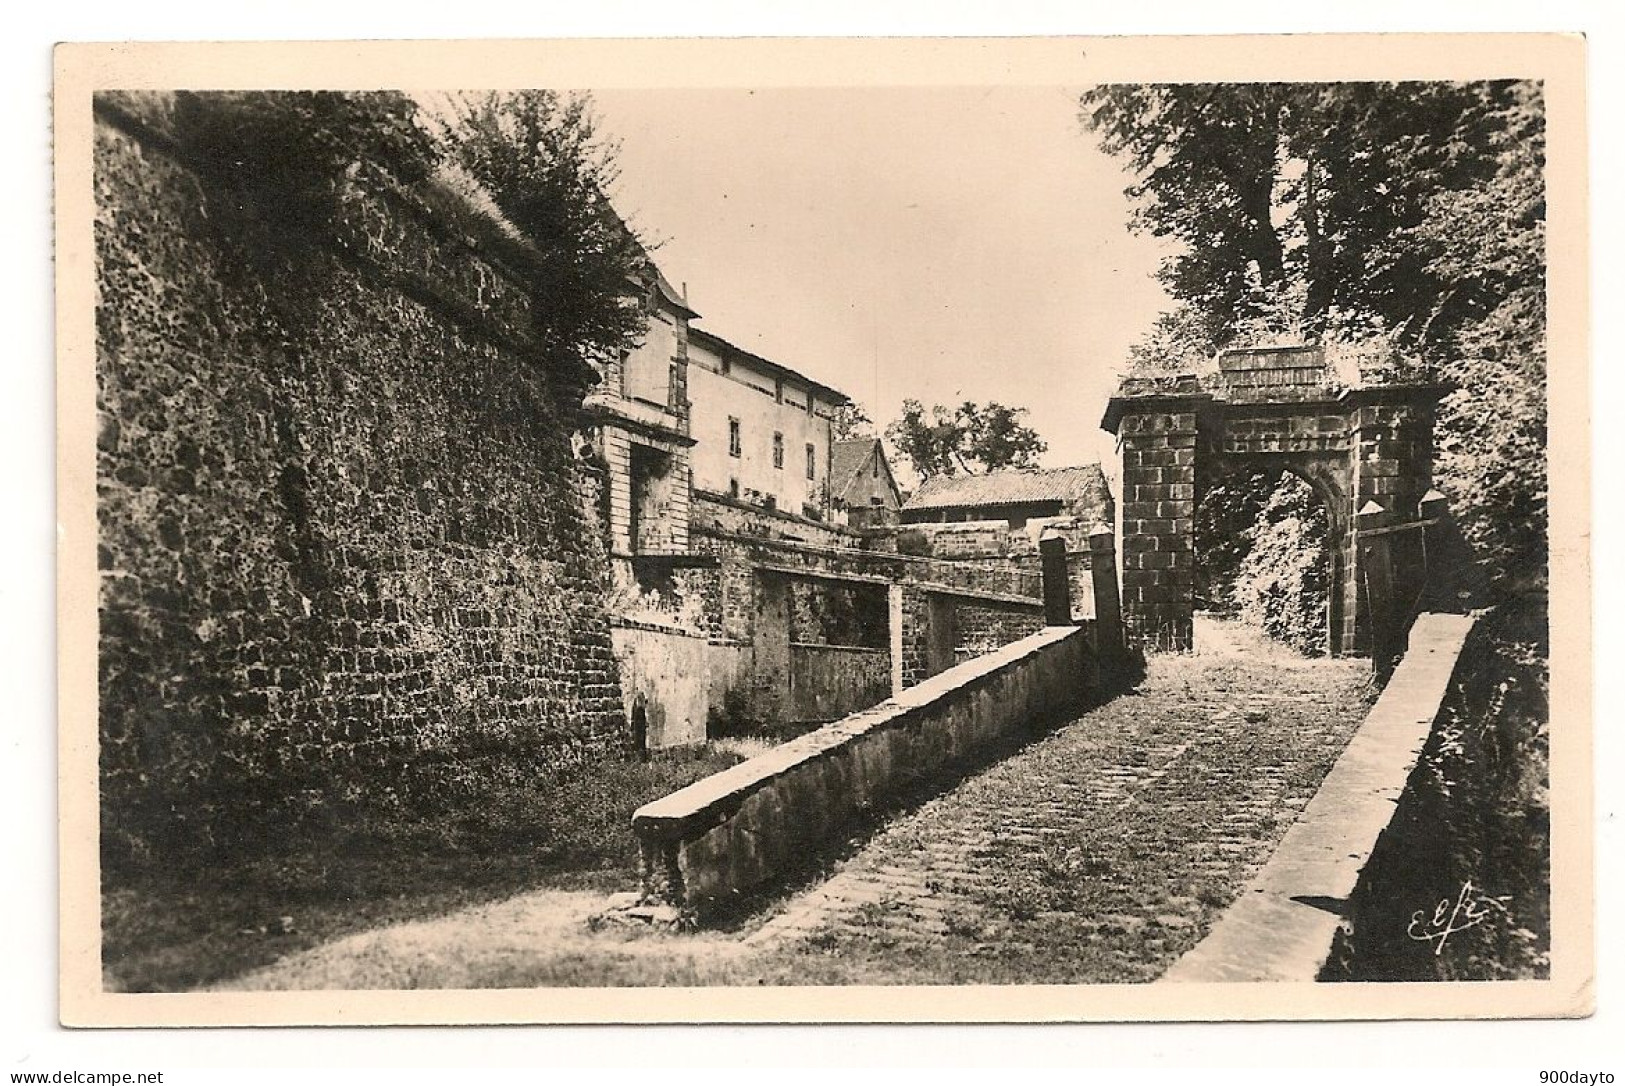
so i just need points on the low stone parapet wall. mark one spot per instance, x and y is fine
(1284, 924)
(734, 833)
(816, 557)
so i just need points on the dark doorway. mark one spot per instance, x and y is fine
(652, 481)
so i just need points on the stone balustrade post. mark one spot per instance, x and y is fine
(1057, 593)
(1109, 639)
(1377, 573)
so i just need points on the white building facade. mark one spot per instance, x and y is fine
(761, 430)
(687, 412)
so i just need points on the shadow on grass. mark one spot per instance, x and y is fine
(180, 926)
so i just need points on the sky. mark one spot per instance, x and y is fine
(939, 243)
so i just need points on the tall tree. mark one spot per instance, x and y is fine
(849, 421)
(540, 158)
(1205, 159)
(1327, 186)
(1410, 214)
(972, 439)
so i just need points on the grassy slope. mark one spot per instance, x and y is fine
(168, 929)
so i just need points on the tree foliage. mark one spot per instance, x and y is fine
(971, 439)
(1281, 583)
(1222, 526)
(1261, 556)
(545, 166)
(1406, 215)
(1327, 187)
(277, 165)
(850, 421)
(282, 164)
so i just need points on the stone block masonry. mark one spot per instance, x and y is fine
(1159, 492)
(1274, 409)
(346, 555)
(982, 629)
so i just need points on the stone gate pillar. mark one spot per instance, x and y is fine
(1393, 469)
(1057, 590)
(1393, 431)
(1157, 429)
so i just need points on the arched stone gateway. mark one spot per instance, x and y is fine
(1368, 452)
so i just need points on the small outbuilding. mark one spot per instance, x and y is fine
(1014, 496)
(861, 483)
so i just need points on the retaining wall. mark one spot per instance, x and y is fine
(722, 838)
(764, 592)
(664, 682)
(829, 681)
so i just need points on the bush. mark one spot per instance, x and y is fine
(278, 162)
(1225, 517)
(1282, 583)
(546, 167)
(1261, 555)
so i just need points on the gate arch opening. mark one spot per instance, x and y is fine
(1368, 452)
(1263, 554)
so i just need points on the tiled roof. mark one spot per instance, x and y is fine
(847, 458)
(1083, 487)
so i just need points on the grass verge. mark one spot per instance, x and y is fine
(1473, 825)
(172, 928)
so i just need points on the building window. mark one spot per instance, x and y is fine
(778, 391)
(733, 488)
(733, 437)
(810, 402)
(778, 449)
(812, 461)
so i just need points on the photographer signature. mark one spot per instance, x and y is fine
(1468, 910)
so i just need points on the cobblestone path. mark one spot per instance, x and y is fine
(1100, 853)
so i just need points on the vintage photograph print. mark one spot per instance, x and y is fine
(824, 530)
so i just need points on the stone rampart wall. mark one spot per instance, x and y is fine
(346, 555)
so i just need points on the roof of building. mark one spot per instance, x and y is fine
(669, 293)
(766, 365)
(848, 456)
(1080, 487)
